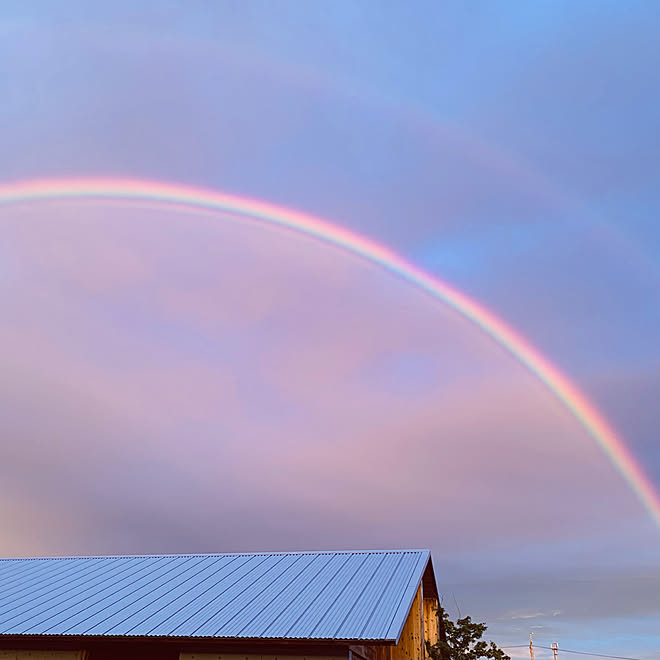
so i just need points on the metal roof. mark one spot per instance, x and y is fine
(308, 595)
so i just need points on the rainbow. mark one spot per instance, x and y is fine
(199, 199)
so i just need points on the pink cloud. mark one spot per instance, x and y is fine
(173, 369)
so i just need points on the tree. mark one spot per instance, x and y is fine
(462, 641)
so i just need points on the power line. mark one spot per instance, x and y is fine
(598, 655)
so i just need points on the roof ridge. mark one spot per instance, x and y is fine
(219, 554)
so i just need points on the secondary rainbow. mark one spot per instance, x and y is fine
(185, 196)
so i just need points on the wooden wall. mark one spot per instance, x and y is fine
(431, 620)
(255, 656)
(411, 642)
(22, 654)
(127, 649)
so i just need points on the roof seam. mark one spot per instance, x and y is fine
(140, 609)
(364, 588)
(37, 579)
(160, 609)
(295, 596)
(247, 604)
(318, 595)
(171, 564)
(19, 602)
(279, 593)
(199, 596)
(225, 605)
(67, 596)
(373, 609)
(229, 586)
(341, 591)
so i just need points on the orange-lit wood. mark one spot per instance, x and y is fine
(411, 642)
(383, 652)
(431, 623)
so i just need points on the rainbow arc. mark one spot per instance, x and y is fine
(566, 392)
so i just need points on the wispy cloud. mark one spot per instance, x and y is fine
(534, 615)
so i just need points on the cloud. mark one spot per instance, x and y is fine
(534, 615)
(249, 367)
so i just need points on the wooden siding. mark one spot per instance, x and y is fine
(126, 649)
(431, 622)
(383, 652)
(41, 655)
(254, 656)
(411, 642)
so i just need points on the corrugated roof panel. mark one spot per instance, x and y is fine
(12, 571)
(80, 603)
(253, 607)
(14, 567)
(385, 608)
(118, 600)
(219, 624)
(58, 586)
(19, 584)
(103, 622)
(203, 597)
(371, 592)
(41, 575)
(155, 611)
(305, 627)
(312, 595)
(265, 623)
(289, 622)
(222, 597)
(341, 606)
(64, 596)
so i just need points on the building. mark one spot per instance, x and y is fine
(371, 605)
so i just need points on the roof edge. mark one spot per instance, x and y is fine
(413, 585)
(217, 554)
(236, 641)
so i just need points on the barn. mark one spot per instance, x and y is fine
(367, 605)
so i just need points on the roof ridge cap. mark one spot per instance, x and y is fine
(219, 554)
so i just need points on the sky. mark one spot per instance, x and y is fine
(178, 380)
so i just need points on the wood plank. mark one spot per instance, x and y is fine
(431, 622)
(254, 656)
(41, 655)
(383, 652)
(363, 651)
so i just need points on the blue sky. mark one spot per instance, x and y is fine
(509, 149)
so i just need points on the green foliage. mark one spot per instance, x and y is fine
(462, 641)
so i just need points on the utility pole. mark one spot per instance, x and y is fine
(531, 646)
(555, 648)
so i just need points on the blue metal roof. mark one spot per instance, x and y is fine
(363, 596)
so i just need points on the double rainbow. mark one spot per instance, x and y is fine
(194, 198)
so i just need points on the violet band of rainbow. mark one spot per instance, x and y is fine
(566, 392)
